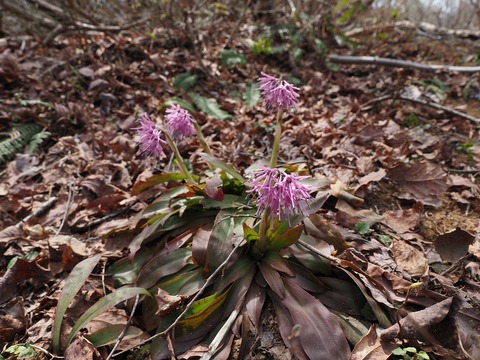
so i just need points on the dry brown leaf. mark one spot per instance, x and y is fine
(403, 221)
(371, 347)
(453, 245)
(423, 180)
(80, 348)
(411, 259)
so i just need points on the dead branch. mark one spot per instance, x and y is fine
(422, 102)
(422, 26)
(374, 60)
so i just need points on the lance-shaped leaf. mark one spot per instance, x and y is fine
(221, 165)
(319, 333)
(209, 107)
(279, 240)
(254, 301)
(103, 304)
(110, 333)
(273, 279)
(74, 282)
(153, 180)
(249, 234)
(201, 318)
(163, 265)
(220, 243)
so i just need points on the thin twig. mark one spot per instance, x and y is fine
(67, 210)
(222, 333)
(42, 209)
(464, 171)
(422, 102)
(190, 303)
(124, 331)
(318, 252)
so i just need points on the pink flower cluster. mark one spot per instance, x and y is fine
(283, 194)
(278, 94)
(179, 122)
(149, 137)
(179, 125)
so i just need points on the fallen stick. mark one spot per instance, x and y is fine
(422, 26)
(422, 102)
(374, 60)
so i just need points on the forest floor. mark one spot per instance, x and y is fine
(416, 166)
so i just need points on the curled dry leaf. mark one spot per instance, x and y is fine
(435, 326)
(371, 347)
(453, 245)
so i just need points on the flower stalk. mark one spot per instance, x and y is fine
(188, 177)
(276, 141)
(201, 139)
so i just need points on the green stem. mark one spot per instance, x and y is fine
(262, 231)
(188, 177)
(201, 139)
(276, 141)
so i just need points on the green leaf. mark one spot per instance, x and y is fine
(229, 201)
(252, 95)
(185, 283)
(285, 239)
(125, 272)
(249, 234)
(22, 351)
(110, 333)
(209, 107)
(362, 228)
(151, 181)
(179, 101)
(103, 304)
(230, 58)
(385, 239)
(74, 282)
(163, 265)
(185, 81)
(399, 352)
(221, 165)
(199, 312)
(262, 45)
(220, 242)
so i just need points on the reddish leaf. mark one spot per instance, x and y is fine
(212, 188)
(319, 333)
(254, 301)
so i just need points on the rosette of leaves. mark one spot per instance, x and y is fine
(197, 254)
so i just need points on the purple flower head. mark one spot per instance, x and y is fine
(149, 137)
(281, 193)
(278, 94)
(179, 122)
